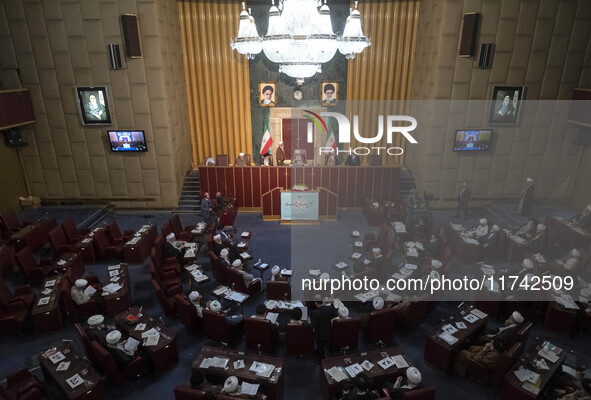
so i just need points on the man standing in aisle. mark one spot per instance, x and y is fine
(527, 198)
(206, 209)
(464, 199)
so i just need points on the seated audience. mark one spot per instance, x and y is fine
(538, 241)
(360, 390)
(296, 317)
(570, 262)
(490, 355)
(583, 220)
(77, 292)
(241, 161)
(481, 230)
(398, 388)
(199, 382)
(116, 347)
(528, 230)
(276, 274)
(367, 308)
(174, 248)
(248, 278)
(224, 258)
(491, 239)
(195, 298)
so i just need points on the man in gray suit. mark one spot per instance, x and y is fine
(206, 209)
(464, 199)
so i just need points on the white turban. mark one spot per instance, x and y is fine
(231, 384)
(324, 276)
(517, 317)
(434, 275)
(343, 312)
(224, 252)
(81, 283)
(529, 180)
(95, 320)
(575, 253)
(217, 237)
(589, 208)
(496, 228)
(541, 227)
(436, 264)
(281, 142)
(528, 264)
(483, 221)
(378, 303)
(113, 337)
(237, 263)
(376, 251)
(193, 295)
(413, 375)
(275, 270)
(241, 155)
(215, 306)
(170, 237)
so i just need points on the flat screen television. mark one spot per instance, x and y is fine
(472, 140)
(124, 141)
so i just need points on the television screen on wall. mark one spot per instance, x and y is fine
(127, 141)
(472, 140)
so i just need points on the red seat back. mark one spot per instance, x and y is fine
(105, 362)
(85, 339)
(215, 326)
(523, 333)
(235, 280)
(278, 290)
(381, 325)
(506, 364)
(166, 229)
(26, 262)
(57, 240)
(299, 339)
(345, 333)
(257, 332)
(425, 393)
(175, 222)
(70, 230)
(219, 272)
(188, 393)
(168, 304)
(188, 313)
(113, 231)
(10, 222)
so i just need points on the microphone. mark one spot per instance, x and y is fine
(461, 304)
(259, 348)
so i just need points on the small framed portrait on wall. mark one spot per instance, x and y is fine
(267, 94)
(505, 105)
(94, 105)
(329, 95)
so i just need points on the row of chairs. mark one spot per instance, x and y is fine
(22, 385)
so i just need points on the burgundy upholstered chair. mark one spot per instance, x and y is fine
(299, 340)
(278, 290)
(29, 268)
(23, 294)
(381, 325)
(217, 328)
(188, 313)
(259, 332)
(236, 281)
(345, 334)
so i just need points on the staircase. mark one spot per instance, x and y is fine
(190, 201)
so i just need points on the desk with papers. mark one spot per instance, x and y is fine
(157, 339)
(46, 312)
(116, 291)
(525, 380)
(569, 236)
(448, 337)
(465, 249)
(225, 292)
(137, 249)
(380, 365)
(264, 371)
(34, 235)
(73, 373)
(513, 247)
(85, 247)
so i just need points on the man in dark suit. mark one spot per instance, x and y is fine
(206, 209)
(464, 199)
(527, 198)
(538, 242)
(353, 160)
(321, 322)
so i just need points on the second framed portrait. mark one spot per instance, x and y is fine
(94, 105)
(267, 94)
(329, 95)
(505, 105)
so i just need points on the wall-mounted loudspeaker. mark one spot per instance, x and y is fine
(114, 56)
(131, 35)
(469, 33)
(487, 51)
(13, 138)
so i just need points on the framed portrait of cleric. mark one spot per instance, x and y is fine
(329, 93)
(94, 105)
(267, 94)
(506, 105)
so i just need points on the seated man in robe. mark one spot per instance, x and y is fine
(216, 306)
(398, 388)
(298, 159)
(276, 275)
(248, 278)
(116, 347)
(481, 230)
(583, 220)
(77, 292)
(490, 355)
(507, 331)
(241, 161)
(196, 299)
(528, 230)
(570, 263)
(174, 248)
(97, 330)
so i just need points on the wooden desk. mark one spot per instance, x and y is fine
(165, 354)
(85, 247)
(464, 252)
(34, 235)
(72, 262)
(136, 253)
(48, 317)
(511, 386)
(513, 250)
(376, 373)
(120, 300)
(373, 215)
(92, 385)
(440, 354)
(566, 235)
(273, 386)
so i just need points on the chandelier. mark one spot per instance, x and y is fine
(300, 36)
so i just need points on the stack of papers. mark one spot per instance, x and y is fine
(400, 361)
(341, 265)
(151, 337)
(89, 291)
(336, 374)
(271, 304)
(272, 317)
(479, 313)
(131, 345)
(198, 275)
(221, 290)
(261, 369)
(399, 227)
(526, 375)
(219, 362)
(566, 301)
(353, 370)
(111, 288)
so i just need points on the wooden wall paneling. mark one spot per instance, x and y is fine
(386, 179)
(267, 201)
(212, 180)
(333, 176)
(378, 186)
(322, 203)
(360, 193)
(289, 181)
(247, 184)
(324, 180)
(256, 185)
(230, 187)
(220, 186)
(265, 187)
(282, 177)
(274, 177)
(218, 126)
(203, 179)
(342, 173)
(351, 188)
(394, 184)
(367, 182)
(316, 176)
(307, 178)
(239, 184)
(277, 203)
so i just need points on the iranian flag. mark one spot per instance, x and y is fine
(330, 139)
(266, 142)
